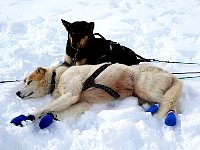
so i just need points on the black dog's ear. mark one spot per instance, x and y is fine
(90, 26)
(66, 24)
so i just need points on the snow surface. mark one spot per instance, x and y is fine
(32, 35)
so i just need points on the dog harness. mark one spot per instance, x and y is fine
(91, 83)
(53, 82)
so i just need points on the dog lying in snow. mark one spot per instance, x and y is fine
(84, 48)
(75, 90)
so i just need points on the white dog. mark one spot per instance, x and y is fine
(71, 91)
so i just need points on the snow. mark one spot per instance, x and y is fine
(32, 35)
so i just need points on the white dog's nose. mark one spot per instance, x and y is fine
(18, 93)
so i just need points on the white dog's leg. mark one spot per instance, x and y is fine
(57, 105)
(165, 107)
(74, 110)
(170, 98)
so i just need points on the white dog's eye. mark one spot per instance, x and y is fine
(29, 82)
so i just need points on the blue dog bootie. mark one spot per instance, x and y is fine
(170, 120)
(46, 121)
(18, 120)
(153, 109)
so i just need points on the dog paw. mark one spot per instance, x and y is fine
(18, 120)
(170, 120)
(153, 109)
(46, 121)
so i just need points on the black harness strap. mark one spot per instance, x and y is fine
(53, 82)
(101, 36)
(108, 90)
(141, 59)
(90, 82)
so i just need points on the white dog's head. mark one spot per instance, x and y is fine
(36, 84)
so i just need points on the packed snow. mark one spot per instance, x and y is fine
(32, 35)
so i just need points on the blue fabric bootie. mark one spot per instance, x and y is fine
(46, 121)
(153, 109)
(170, 120)
(18, 120)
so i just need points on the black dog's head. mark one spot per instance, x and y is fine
(78, 32)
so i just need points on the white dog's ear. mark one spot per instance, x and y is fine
(40, 70)
(66, 24)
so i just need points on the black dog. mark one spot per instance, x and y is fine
(83, 48)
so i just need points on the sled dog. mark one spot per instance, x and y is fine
(73, 91)
(84, 48)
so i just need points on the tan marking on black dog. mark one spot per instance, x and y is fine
(68, 59)
(83, 42)
(70, 38)
(79, 44)
(81, 62)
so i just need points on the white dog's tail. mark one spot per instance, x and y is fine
(171, 98)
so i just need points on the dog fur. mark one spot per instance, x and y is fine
(144, 81)
(84, 48)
